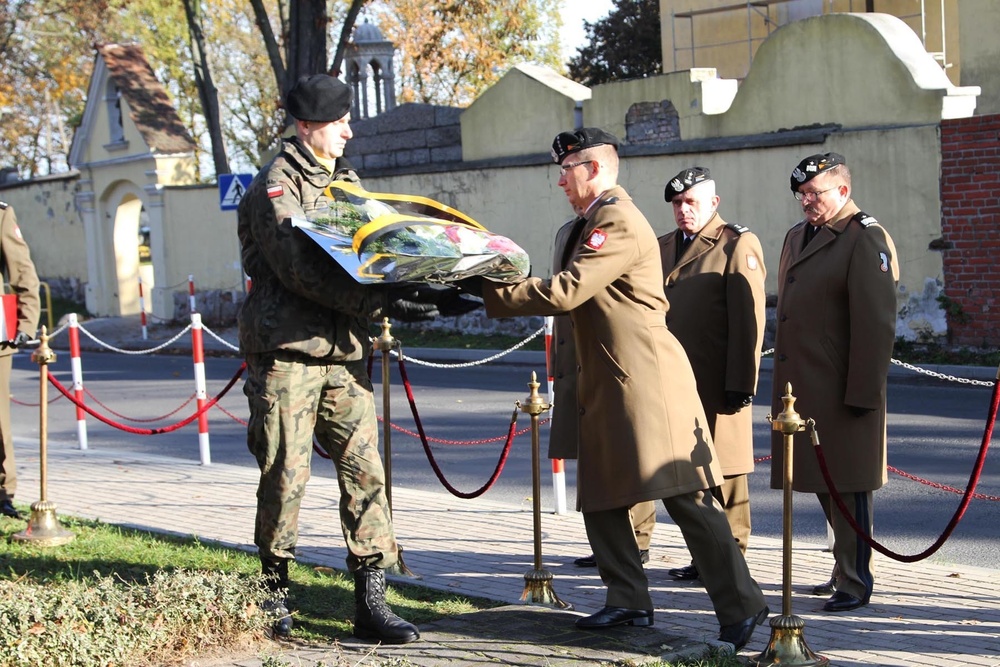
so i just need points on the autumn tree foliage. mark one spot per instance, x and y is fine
(623, 45)
(451, 50)
(248, 51)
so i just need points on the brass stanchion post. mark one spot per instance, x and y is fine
(787, 646)
(386, 343)
(537, 582)
(44, 529)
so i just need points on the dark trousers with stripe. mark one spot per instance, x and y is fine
(854, 571)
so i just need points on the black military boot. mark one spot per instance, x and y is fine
(275, 572)
(372, 618)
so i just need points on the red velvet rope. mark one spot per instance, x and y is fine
(966, 497)
(430, 455)
(149, 431)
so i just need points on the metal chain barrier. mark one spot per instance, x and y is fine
(234, 348)
(135, 352)
(977, 470)
(924, 371)
(468, 364)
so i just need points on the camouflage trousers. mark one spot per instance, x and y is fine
(291, 398)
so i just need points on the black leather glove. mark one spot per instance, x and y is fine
(737, 400)
(404, 304)
(858, 411)
(472, 285)
(449, 300)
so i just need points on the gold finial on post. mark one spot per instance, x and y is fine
(538, 581)
(44, 529)
(787, 645)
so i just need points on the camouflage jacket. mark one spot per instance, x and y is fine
(300, 299)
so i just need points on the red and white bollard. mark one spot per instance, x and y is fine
(191, 304)
(142, 311)
(198, 352)
(77, 369)
(558, 469)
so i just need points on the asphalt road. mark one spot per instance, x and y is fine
(935, 429)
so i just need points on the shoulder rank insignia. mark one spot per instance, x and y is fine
(864, 219)
(739, 229)
(610, 200)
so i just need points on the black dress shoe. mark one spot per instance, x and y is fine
(738, 634)
(841, 601)
(685, 573)
(612, 616)
(824, 589)
(590, 561)
(7, 509)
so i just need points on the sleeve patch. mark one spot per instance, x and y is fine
(596, 239)
(275, 191)
(751, 262)
(883, 262)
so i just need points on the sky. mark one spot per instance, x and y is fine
(574, 12)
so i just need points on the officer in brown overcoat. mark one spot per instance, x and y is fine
(643, 432)
(564, 428)
(714, 281)
(19, 272)
(836, 325)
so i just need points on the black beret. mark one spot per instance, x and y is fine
(813, 166)
(686, 180)
(567, 143)
(319, 98)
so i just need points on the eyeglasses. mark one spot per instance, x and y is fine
(566, 167)
(812, 194)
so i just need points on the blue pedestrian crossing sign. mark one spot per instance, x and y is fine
(232, 187)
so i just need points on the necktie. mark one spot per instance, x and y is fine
(683, 246)
(811, 230)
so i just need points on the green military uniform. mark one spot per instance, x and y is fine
(304, 332)
(19, 272)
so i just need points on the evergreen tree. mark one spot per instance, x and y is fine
(623, 45)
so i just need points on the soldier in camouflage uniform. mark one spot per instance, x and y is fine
(19, 271)
(304, 332)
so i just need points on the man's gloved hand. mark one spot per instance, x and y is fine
(472, 285)
(737, 400)
(403, 303)
(858, 411)
(449, 300)
(20, 340)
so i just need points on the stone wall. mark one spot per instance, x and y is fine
(970, 228)
(411, 135)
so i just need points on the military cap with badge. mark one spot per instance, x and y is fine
(684, 181)
(813, 166)
(567, 143)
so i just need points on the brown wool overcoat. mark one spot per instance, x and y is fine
(716, 295)
(643, 433)
(564, 430)
(836, 325)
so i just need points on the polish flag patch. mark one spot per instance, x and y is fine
(596, 240)
(275, 191)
